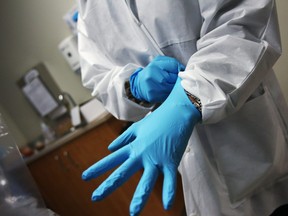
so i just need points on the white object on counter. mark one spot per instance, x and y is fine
(92, 110)
(48, 133)
(75, 116)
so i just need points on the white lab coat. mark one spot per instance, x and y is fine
(236, 162)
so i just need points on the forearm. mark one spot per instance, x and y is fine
(234, 56)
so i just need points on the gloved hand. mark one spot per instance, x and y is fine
(155, 143)
(155, 82)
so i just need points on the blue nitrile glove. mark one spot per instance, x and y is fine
(155, 143)
(155, 82)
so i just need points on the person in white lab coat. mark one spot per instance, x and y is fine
(235, 162)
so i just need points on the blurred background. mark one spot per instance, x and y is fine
(31, 33)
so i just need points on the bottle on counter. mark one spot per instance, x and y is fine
(48, 133)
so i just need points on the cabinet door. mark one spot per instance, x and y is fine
(58, 176)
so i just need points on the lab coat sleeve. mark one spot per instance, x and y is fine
(105, 79)
(238, 46)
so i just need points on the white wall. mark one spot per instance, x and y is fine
(30, 33)
(281, 67)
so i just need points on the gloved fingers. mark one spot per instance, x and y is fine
(116, 179)
(106, 163)
(181, 67)
(166, 62)
(143, 190)
(170, 78)
(169, 186)
(125, 138)
(134, 83)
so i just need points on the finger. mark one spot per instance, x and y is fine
(106, 163)
(143, 190)
(170, 78)
(173, 64)
(169, 186)
(125, 138)
(116, 179)
(170, 64)
(181, 67)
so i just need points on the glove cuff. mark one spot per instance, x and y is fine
(180, 100)
(133, 84)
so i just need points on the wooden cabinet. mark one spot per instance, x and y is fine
(58, 176)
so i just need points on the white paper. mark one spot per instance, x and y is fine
(31, 75)
(40, 97)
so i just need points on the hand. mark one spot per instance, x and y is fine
(156, 143)
(155, 82)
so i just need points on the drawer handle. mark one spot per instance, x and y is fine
(66, 154)
(62, 165)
